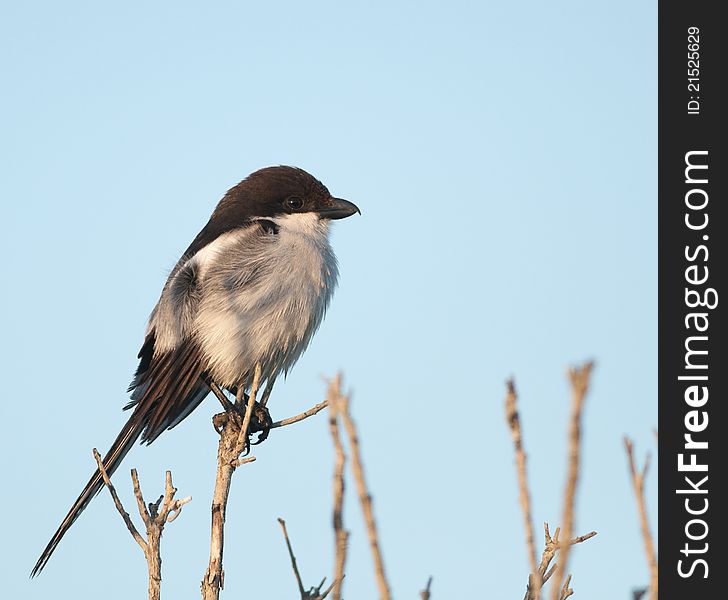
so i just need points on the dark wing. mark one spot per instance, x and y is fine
(166, 389)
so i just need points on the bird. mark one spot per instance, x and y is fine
(247, 295)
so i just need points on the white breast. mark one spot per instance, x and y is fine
(263, 297)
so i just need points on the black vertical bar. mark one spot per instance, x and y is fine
(693, 270)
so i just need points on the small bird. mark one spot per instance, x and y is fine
(248, 294)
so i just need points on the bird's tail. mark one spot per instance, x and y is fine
(119, 449)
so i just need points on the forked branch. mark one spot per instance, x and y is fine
(155, 516)
(552, 545)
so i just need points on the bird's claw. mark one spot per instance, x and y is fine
(219, 421)
(260, 422)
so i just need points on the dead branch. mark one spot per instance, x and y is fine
(638, 483)
(524, 497)
(579, 378)
(293, 558)
(566, 591)
(313, 593)
(233, 441)
(365, 498)
(119, 507)
(304, 415)
(341, 535)
(155, 516)
(552, 545)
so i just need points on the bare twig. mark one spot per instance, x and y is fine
(124, 515)
(566, 591)
(425, 594)
(301, 589)
(364, 497)
(579, 377)
(313, 593)
(304, 415)
(154, 521)
(638, 483)
(552, 545)
(141, 506)
(341, 535)
(514, 423)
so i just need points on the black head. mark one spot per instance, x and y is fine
(271, 192)
(284, 190)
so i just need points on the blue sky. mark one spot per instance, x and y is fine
(504, 158)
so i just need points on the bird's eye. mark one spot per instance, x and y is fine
(294, 203)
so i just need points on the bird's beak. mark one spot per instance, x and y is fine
(338, 209)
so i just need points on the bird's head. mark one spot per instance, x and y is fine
(287, 196)
(281, 191)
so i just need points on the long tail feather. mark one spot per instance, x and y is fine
(119, 449)
(168, 390)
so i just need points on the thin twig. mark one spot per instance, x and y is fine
(304, 415)
(171, 508)
(341, 535)
(328, 589)
(313, 593)
(638, 483)
(124, 515)
(141, 505)
(551, 546)
(301, 589)
(514, 423)
(155, 517)
(364, 497)
(579, 377)
(566, 591)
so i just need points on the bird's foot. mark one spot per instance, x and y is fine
(219, 421)
(260, 422)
